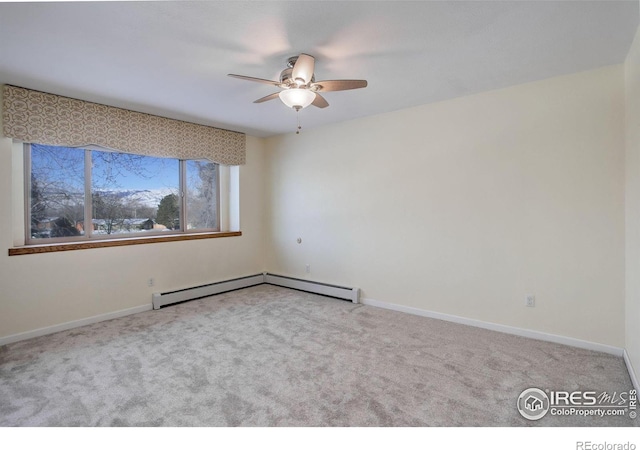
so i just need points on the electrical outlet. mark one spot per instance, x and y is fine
(151, 282)
(530, 301)
(307, 268)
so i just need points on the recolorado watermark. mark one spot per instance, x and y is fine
(534, 404)
(588, 445)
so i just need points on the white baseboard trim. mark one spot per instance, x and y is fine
(632, 372)
(73, 324)
(497, 327)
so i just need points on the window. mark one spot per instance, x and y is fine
(81, 194)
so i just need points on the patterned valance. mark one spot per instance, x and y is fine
(38, 117)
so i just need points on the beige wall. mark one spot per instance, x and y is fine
(632, 166)
(465, 206)
(38, 291)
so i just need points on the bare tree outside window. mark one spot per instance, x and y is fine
(56, 197)
(202, 195)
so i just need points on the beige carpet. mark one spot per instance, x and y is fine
(269, 356)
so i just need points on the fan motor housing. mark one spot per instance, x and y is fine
(285, 76)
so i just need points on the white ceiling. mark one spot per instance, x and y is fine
(172, 58)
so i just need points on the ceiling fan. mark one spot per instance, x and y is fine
(298, 84)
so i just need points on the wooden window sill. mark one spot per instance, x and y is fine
(63, 247)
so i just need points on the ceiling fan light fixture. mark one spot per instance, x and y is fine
(299, 85)
(297, 98)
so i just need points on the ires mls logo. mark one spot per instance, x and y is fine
(534, 404)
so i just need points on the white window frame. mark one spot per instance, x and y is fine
(223, 191)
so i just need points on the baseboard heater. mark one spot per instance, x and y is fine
(161, 299)
(182, 295)
(330, 290)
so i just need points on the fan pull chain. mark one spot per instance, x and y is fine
(298, 121)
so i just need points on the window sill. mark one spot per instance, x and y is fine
(50, 248)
